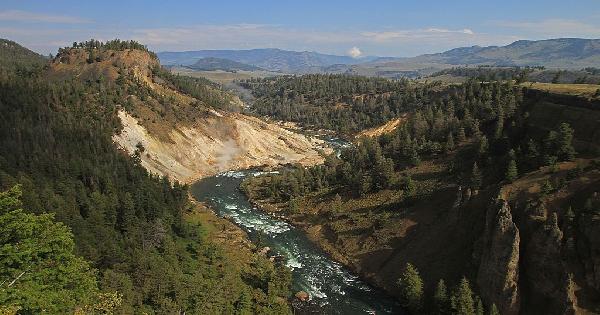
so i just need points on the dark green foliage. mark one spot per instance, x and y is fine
(32, 248)
(462, 302)
(337, 204)
(494, 310)
(411, 287)
(56, 141)
(546, 188)
(476, 177)
(338, 102)
(15, 58)
(115, 44)
(564, 143)
(469, 110)
(489, 73)
(479, 306)
(511, 171)
(440, 298)
(461, 134)
(450, 142)
(483, 146)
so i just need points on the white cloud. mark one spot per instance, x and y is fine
(383, 36)
(386, 42)
(354, 52)
(24, 16)
(552, 28)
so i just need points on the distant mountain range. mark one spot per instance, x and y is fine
(271, 59)
(212, 63)
(566, 53)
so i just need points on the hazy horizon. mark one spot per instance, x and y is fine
(387, 28)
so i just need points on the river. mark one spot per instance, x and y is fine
(329, 284)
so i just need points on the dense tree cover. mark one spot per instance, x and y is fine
(480, 130)
(488, 121)
(523, 74)
(38, 268)
(343, 103)
(489, 73)
(55, 141)
(16, 58)
(461, 300)
(115, 44)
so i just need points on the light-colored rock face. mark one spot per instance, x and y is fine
(223, 141)
(386, 128)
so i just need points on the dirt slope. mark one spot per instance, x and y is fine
(386, 128)
(222, 141)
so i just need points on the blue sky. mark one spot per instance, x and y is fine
(384, 28)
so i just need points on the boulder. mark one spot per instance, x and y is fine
(302, 296)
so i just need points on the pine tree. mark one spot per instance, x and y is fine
(337, 204)
(546, 188)
(476, 177)
(483, 146)
(550, 148)
(462, 300)
(570, 215)
(511, 171)
(479, 306)
(409, 186)
(494, 310)
(450, 142)
(294, 205)
(411, 286)
(40, 270)
(564, 140)
(499, 126)
(440, 298)
(243, 306)
(462, 137)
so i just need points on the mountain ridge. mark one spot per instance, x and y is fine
(273, 59)
(564, 53)
(213, 63)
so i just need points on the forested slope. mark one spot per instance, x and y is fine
(478, 189)
(136, 229)
(346, 104)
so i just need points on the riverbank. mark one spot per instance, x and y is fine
(323, 237)
(330, 284)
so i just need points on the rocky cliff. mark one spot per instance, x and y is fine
(221, 141)
(498, 275)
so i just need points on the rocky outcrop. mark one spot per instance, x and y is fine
(498, 274)
(588, 248)
(547, 276)
(221, 141)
